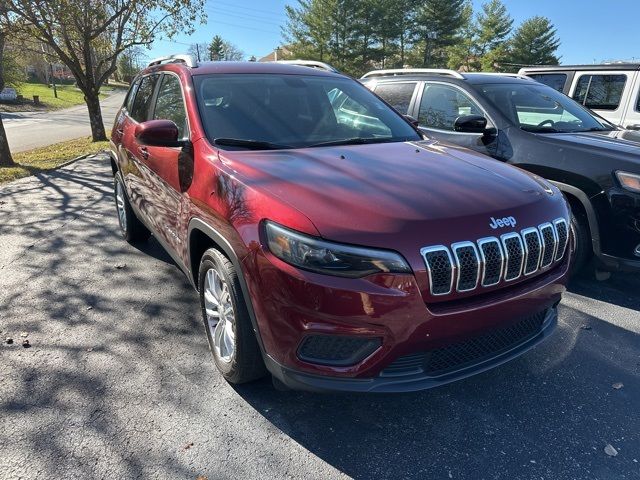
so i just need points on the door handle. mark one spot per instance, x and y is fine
(144, 153)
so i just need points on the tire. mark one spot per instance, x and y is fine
(232, 340)
(132, 229)
(584, 250)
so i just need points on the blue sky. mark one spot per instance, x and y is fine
(590, 31)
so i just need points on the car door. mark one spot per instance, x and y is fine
(604, 92)
(136, 173)
(440, 104)
(631, 118)
(167, 182)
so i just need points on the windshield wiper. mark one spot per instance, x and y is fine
(353, 141)
(535, 129)
(595, 129)
(250, 144)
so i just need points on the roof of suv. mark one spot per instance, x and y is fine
(602, 66)
(204, 68)
(472, 78)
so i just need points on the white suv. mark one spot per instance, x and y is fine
(610, 90)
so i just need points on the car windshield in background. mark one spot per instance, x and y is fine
(262, 112)
(541, 109)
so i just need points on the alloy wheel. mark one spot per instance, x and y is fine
(220, 314)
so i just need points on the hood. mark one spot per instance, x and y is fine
(400, 196)
(616, 143)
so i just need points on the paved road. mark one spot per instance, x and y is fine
(119, 381)
(27, 130)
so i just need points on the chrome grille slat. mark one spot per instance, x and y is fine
(562, 235)
(549, 244)
(489, 261)
(532, 250)
(467, 265)
(514, 255)
(439, 269)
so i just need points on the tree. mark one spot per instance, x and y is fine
(89, 35)
(494, 27)
(463, 53)
(216, 49)
(437, 24)
(5, 154)
(199, 51)
(232, 53)
(534, 43)
(130, 63)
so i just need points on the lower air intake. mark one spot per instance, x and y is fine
(337, 350)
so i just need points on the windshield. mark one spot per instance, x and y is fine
(541, 109)
(256, 111)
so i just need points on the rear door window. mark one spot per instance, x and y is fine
(600, 92)
(128, 103)
(142, 102)
(442, 104)
(554, 80)
(398, 95)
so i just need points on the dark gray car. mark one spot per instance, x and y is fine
(530, 125)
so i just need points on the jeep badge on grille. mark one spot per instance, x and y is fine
(502, 222)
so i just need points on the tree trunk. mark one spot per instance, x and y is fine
(5, 154)
(92, 100)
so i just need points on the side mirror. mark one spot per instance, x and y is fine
(470, 124)
(158, 133)
(411, 120)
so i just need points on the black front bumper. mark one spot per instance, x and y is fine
(406, 383)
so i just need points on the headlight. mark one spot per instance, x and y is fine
(311, 253)
(630, 181)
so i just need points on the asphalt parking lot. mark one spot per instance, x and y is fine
(118, 380)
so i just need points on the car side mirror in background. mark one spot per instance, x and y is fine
(470, 124)
(158, 133)
(411, 120)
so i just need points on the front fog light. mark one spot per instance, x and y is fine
(316, 255)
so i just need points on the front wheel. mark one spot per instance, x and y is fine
(229, 330)
(583, 249)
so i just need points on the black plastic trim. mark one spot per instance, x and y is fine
(304, 381)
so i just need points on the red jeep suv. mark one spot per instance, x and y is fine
(331, 244)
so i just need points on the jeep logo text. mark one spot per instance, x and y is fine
(502, 222)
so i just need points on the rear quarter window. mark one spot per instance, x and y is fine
(398, 95)
(600, 92)
(553, 80)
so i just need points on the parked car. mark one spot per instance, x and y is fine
(610, 90)
(530, 125)
(8, 94)
(338, 255)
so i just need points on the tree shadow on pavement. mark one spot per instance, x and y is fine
(119, 382)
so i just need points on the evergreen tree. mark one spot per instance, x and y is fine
(463, 54)
(437, 24)
(216, 49)
(534, 43)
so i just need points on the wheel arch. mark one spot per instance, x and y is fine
(578, 199)
(201, 236)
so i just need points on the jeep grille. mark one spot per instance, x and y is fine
(489, 261)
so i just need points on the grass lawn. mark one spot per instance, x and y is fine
(48, 158)
(68, 96)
